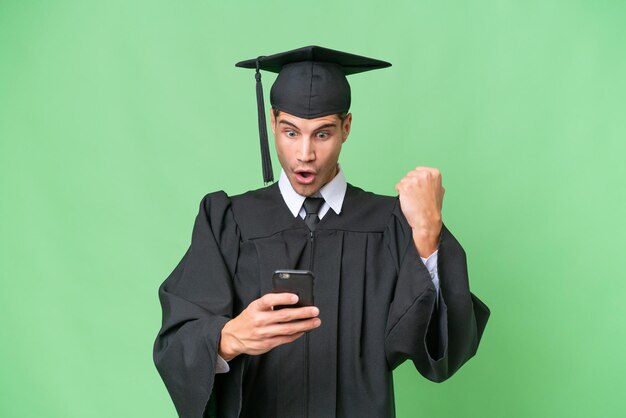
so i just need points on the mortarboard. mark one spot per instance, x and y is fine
(311, 83)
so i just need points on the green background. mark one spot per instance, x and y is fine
(116, 117)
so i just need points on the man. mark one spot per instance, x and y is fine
(390, 280)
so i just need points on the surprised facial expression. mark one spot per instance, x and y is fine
(308, 149)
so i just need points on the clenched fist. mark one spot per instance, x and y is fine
(421, 198)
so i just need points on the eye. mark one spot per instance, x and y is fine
(291, 133)
(323, 135)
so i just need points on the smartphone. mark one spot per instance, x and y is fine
(299, 282)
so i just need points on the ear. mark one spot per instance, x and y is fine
(347, 124)
(272, 121)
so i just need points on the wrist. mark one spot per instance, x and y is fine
(227, 349)
(426, 241)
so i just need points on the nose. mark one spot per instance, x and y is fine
(307, 150)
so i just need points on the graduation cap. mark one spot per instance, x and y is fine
(311, 83)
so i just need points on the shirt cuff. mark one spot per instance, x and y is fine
(431, 266)
(221, 366)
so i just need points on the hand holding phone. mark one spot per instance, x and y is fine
(260, 327)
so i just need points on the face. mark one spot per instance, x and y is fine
(308, 149)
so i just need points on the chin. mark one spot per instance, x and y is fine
(305, 189)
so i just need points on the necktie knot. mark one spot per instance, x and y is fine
(312, 206)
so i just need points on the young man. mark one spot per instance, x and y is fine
(390, 280)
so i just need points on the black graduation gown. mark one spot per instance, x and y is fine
(378, 307)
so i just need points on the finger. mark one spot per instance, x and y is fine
(291, 328)
(425, 173)
(290, 314)
(267, 344)
(268, 301)
(416, 171)
(283, 339)
(408, 182)
(416, 175)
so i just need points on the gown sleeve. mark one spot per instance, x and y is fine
(197, 300)
(438, 331)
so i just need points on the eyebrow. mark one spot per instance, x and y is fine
(288, 123)
(327, 125)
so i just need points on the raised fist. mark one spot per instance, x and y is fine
(421, 198)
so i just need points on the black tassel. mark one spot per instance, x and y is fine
(266, 161)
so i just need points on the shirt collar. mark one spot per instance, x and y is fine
(333, 193)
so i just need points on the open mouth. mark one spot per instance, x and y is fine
(305, 177)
